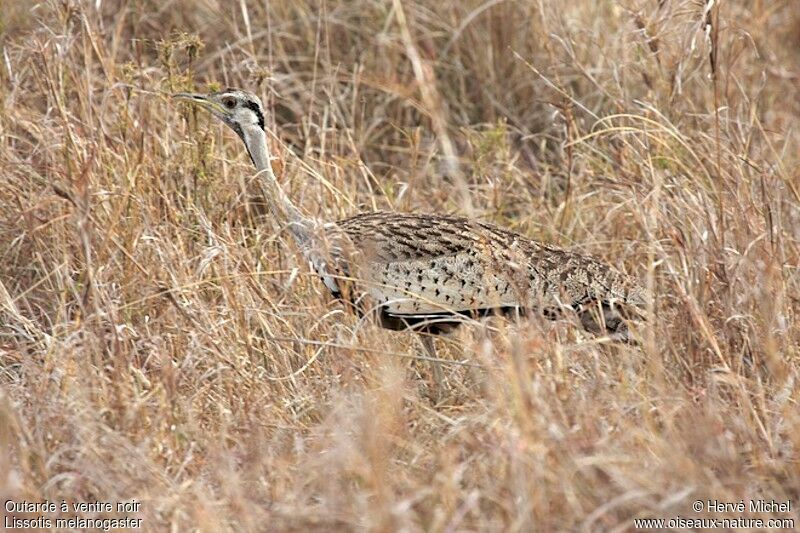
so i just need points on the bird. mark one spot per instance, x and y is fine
(429, 273)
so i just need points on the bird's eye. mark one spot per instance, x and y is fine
(229, 102)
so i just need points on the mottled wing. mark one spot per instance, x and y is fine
(422, 264)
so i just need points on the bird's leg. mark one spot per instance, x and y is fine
(436, 366)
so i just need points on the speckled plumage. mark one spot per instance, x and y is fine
(424, 271)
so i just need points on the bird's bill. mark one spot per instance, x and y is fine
(202, 100)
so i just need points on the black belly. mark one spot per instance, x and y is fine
(445, 322)
(441, 323)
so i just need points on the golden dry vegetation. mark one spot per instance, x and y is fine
(160, 341)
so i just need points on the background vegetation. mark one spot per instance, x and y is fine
(159, 341)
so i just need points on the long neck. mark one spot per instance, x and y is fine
(280, 206)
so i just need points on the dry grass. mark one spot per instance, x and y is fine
(159, 342)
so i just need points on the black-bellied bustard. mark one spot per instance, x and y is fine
(426, 272)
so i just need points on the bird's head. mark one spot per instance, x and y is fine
(240, 110)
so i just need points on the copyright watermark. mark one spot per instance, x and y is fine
(713, 507)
